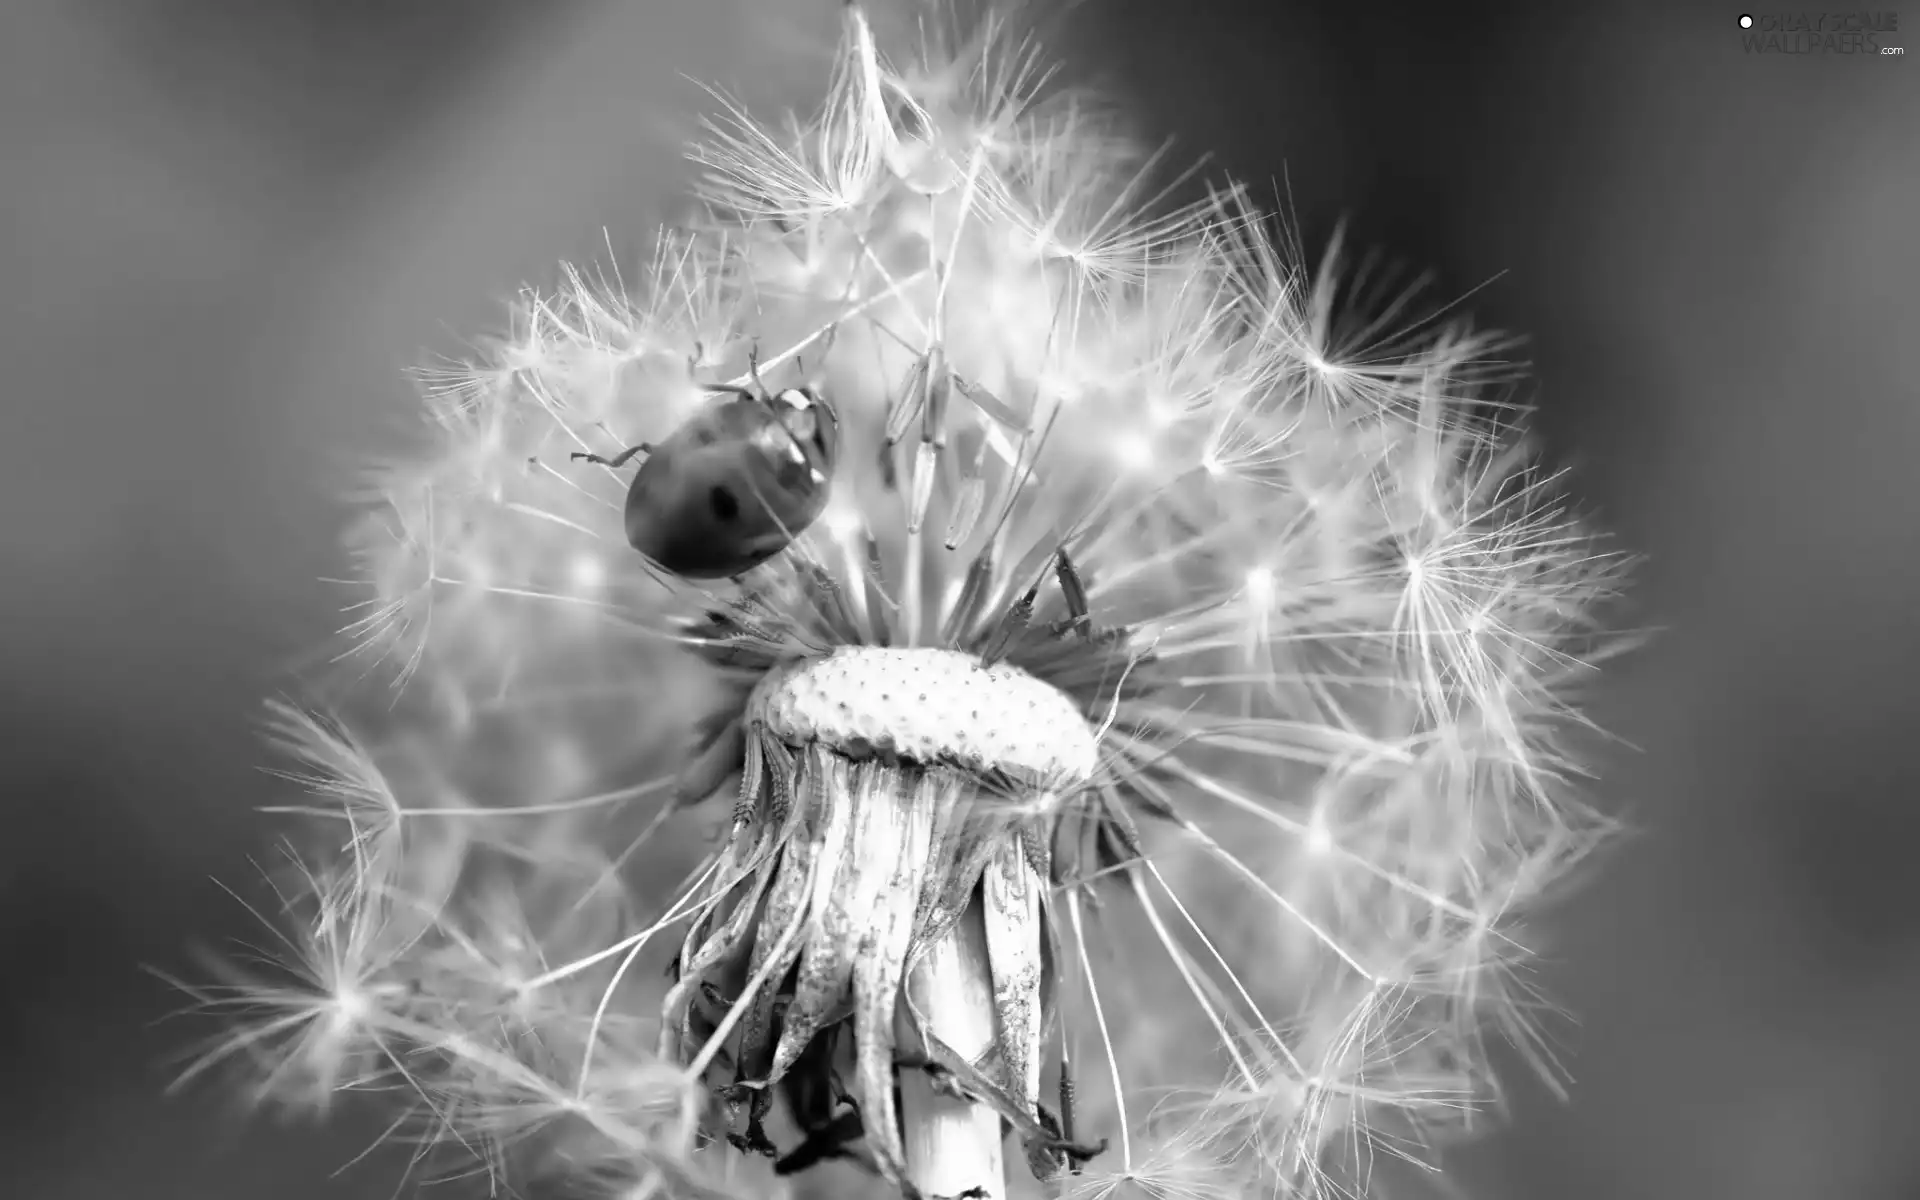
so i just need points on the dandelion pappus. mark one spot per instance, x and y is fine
(736, 483)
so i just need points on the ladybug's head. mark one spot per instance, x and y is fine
(811, 421)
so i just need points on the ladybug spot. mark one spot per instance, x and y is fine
(724, 503)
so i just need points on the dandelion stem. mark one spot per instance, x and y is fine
(954, 1145)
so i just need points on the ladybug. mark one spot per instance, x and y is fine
(735, 484)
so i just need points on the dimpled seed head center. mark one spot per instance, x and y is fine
(930, 705)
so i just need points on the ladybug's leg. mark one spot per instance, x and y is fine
(725, 389)
(826, 341)
(1075, 591)
(619, 460)
(753, 367)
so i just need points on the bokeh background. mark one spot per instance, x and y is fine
(229, 226)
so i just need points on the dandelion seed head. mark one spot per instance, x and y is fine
(1201, 630)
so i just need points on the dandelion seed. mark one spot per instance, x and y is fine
(1166, 700)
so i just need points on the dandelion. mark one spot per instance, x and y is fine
(1134, 732)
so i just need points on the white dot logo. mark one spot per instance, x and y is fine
(1746, 22)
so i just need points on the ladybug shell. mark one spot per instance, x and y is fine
(733, 486)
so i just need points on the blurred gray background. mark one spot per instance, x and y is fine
(229, 226)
